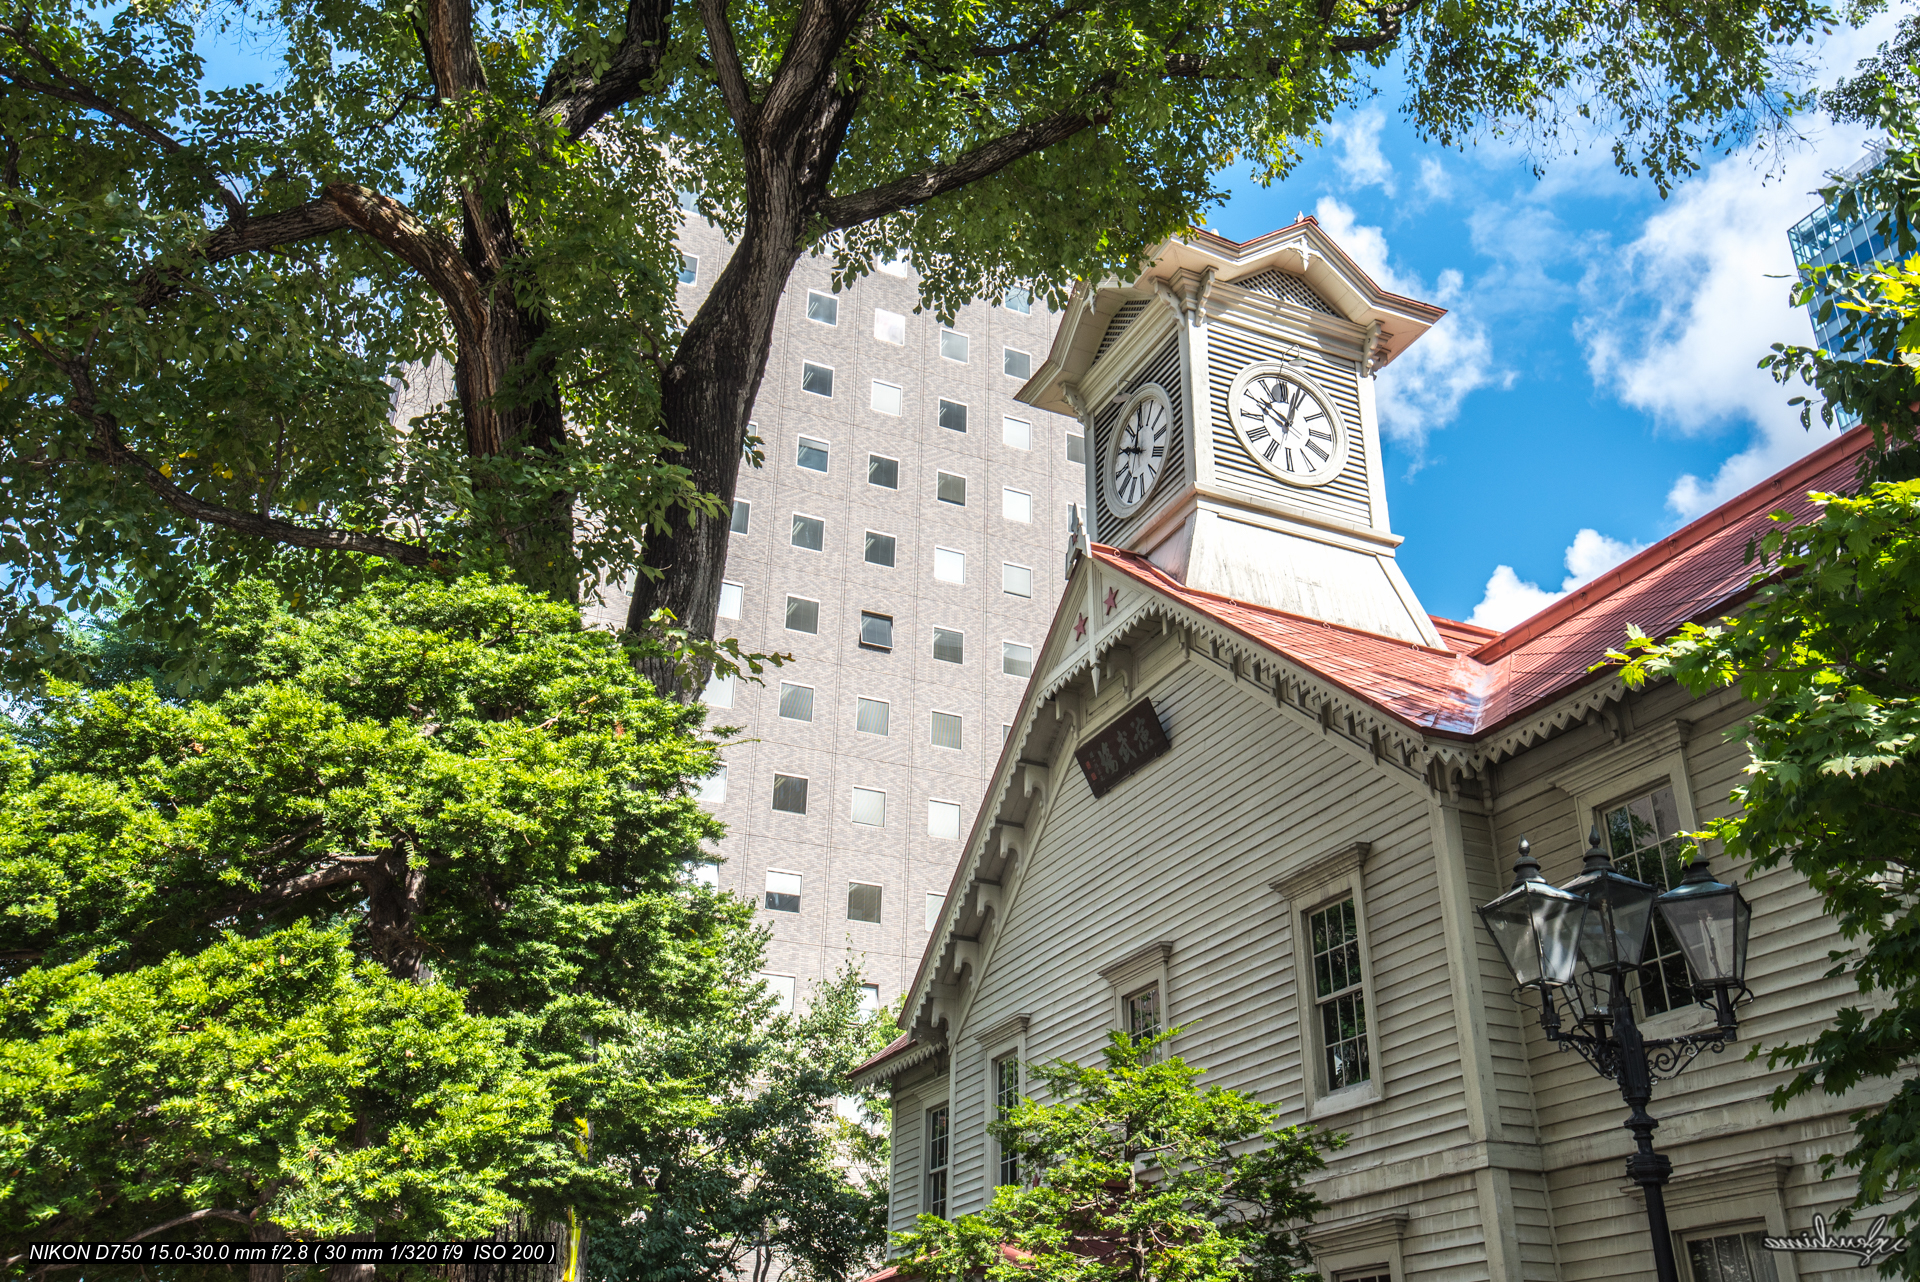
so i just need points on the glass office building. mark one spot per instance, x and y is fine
(1823, 239)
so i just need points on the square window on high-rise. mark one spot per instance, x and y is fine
(742, 514)
(945, 731)
(1016, 505)
(783, 892)
(780, 989)
(949, 646)
(876, 631)
(719, 692)
(713, 790)
(943, 820)
(817, 379)
(1015, 363)
(883, 471)
(934, 904)
(732, 598)
(1018, 300)
(689, 269)
(811, 454)
(889, 327)
(803, 615)
(863, 902)
(1017, 433)
(870, 716)
(796, 702)
(880, 548)
(1016, 580)
(824, 308)
(886, 398)
(953, 346)
(1016, 660)
(1076, 448)
(953, 416)
(949, 488)
(790, 794)
(869, 1000)
(870, 807)
(809, 532)
(949, 565)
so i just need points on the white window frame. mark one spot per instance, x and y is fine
(793, 991)
(1363, 1247)
(1006, 420)
(718, 685)
(1317, 884)
(782, 698)
(807, 516)
(878, 792)
(966, 412)
(885, 703)
(740, 601)
(959, 582)
(1006, 490)
(787, 614)
(1033, 658)
(935, 909)
(879, 337)
(883, 534)
(825, 445)
(899, 398)
(895, 487)
(957, 716)
(1015, 565)
(1745, 1197)
(778, 775)
(825, 396)
(745, 505)
(959, 632)
(854, 881)
(1143, 967)
(689, 273)
(1006, 1038)
(960, 821)
(800, 896)
(965, 339)
(965, 485)
(1015, 351)
(833, 298)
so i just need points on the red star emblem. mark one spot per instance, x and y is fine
(1113, 599)
(1080, 629)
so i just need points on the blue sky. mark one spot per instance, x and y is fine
(1594, 385)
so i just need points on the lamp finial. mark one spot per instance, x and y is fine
(1597, 858)
(1526, 868)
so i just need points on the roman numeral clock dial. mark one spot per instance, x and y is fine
(1137, 453)
(1288, 425)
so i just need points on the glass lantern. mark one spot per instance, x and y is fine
(1536, 925)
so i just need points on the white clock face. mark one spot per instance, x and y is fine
(1288, 426)
(1139, 450)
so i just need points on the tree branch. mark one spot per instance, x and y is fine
(421, 248)
(726, 63)
(333, 875)
(576, 99)
(246, 235)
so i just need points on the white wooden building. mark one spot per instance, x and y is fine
(1337, 758)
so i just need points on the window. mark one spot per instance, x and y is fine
(883, 471)
(1016, 505)
(949, 488)
(812, 454)
(863, 902)
(803, 615)
(780, 988)
(936, 1203)
(949, 566)
(953, 416)
(790, 795)
(946, 730)
(1018, 300)
(1334, 938)
(876, 631)
(1006, 1093)
(1016, 432)
(953, 346)
(713, 789)
(949, 646)
(783, 892)
(796, 702)
(1005, 730)
(879, 549)
(943, 820)
(1076, 448)
(1016, 660)
(870, 716)
(1143, 1012)
(817, 379)
(889, 327)
(1730, 1257)
(809, 532)
(689, 269)
(886, 398)
(1641, 836)
(742, 513)
(870, 808)
(704, 872)
(719, 691)
(934, 904)
(1016, 580)
(824, 308)
(1015, 363)
(869, 1000)
(732, 597)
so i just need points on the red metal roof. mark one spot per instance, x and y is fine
(898, 1046)
(1488, 680)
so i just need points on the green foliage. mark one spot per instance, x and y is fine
(1134, 1174)
(1829, 655)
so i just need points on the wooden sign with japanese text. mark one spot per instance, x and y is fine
(1122, 748)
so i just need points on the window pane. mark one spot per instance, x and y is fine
(1076, 448)
(719, 692)
(1006, 1094)
(863, 902)
(949, 488)
(790, 794)
(879, 548)
(869, 999)
(703, 872)
(934, 904)
(796, 702)
(943, 819)
(870, 807)
(953, 416)
(824, 308)
(812, 454)
(808, 532)
(713, 789)
(817, 379)
(1016, 660)
(883, 471)
(1015, 363)
(946, 730)
(742, 512)
(1018, 300)
(802, 615)
(783, 892)
(1016, 580)
(1016, 505)
(886, 398)
(889, 327)
(689, 269)
(870, 716)
(1016, 432)
(953, 346)
(1143, 1012)
(949, 646)
(732, 595)
(780, 988)
(876, 631)
(949, 566)
(1641, 836)
(936, 1199)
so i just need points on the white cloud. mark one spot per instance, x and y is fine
(1435, 181)
(1422, 389)
(1362, 163)
(1509, 599)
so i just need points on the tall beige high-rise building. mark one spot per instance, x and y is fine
(904, 541)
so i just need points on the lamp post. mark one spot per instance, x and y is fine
(1575, 946)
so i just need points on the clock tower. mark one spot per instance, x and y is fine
(1227, 398)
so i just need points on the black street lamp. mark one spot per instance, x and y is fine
(1576, 946)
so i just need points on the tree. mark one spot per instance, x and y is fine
(206, 284)
(1133, 1173)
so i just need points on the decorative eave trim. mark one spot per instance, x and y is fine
(1766, 1175)
(1140, 959)
(1010, 1027)
(887, 1069)
(1357, 1234)
(1322, 870)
